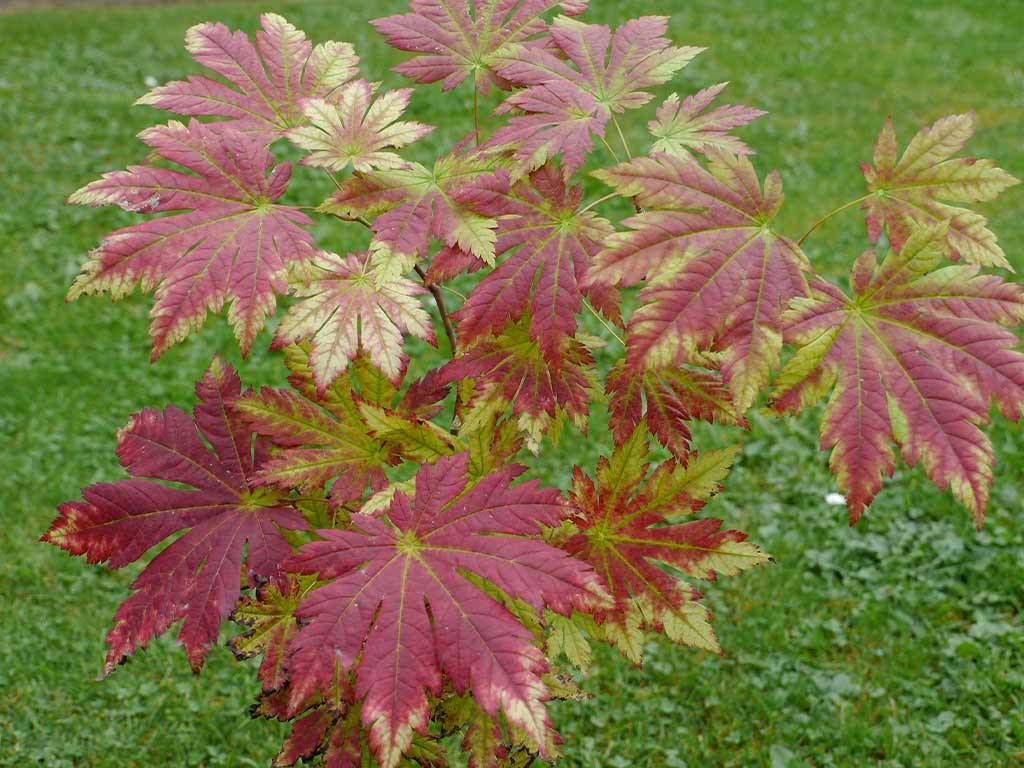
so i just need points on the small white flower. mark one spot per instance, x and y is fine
(835, 499)
(151, 82)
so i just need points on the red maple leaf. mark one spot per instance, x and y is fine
(666, 400)
(559, 120)
(197, 577)
(400, 610)
(549, 245)
(232, 243)
(414, 203)
(456, 39)
(616, 69)
(511, 367)
(718, 277)
(915, 356)
(628, 522)
(271, 78)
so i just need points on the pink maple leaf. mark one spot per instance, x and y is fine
(572, 98)
(718, 277)
(457, 39)
(400, 611)
(271, 78)
(230, 242)
(549, 245)
(414, 203)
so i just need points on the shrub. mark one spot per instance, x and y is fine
(369, 531)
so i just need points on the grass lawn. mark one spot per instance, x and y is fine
(897, 643)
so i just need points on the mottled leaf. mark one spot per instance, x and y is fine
(624, 532)
(347, 309)
(232, 242)
(320, 435)
(271, 624)
(911, 189)
(690, 126)
(353, 128)
(270, 78)
(511, 368)
(460, 39)
(718, 277)
(913, 358)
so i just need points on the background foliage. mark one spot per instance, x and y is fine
(900, 642)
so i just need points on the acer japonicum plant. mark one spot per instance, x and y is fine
(373, 535)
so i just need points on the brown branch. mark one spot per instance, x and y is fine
(435, 291)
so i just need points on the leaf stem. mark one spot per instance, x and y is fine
(599, 200)
(441, 308)
(829, 215)
(332, 178)
(605, 323)
(476, 114)
(308, 499)
(611, 151)
(622, 138)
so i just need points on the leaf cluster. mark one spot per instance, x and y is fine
(371, 532)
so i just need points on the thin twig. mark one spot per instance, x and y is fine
(441, 308)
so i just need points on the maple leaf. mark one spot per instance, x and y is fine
(352, 128)
(684, 127)
(346, 308)
(388, 574)
(559, 121)
(909, 191)
(915, 356)
(628, 522)
(320, 435)
(327, 722)
(413, 203)
(510, 367)
(613, 68)
(718, 277)
(457, 39)
(549, 244)
(666, 400)
(271, 78)
(195, 578)
(566, 106)
(271, 623)
(233, 243)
